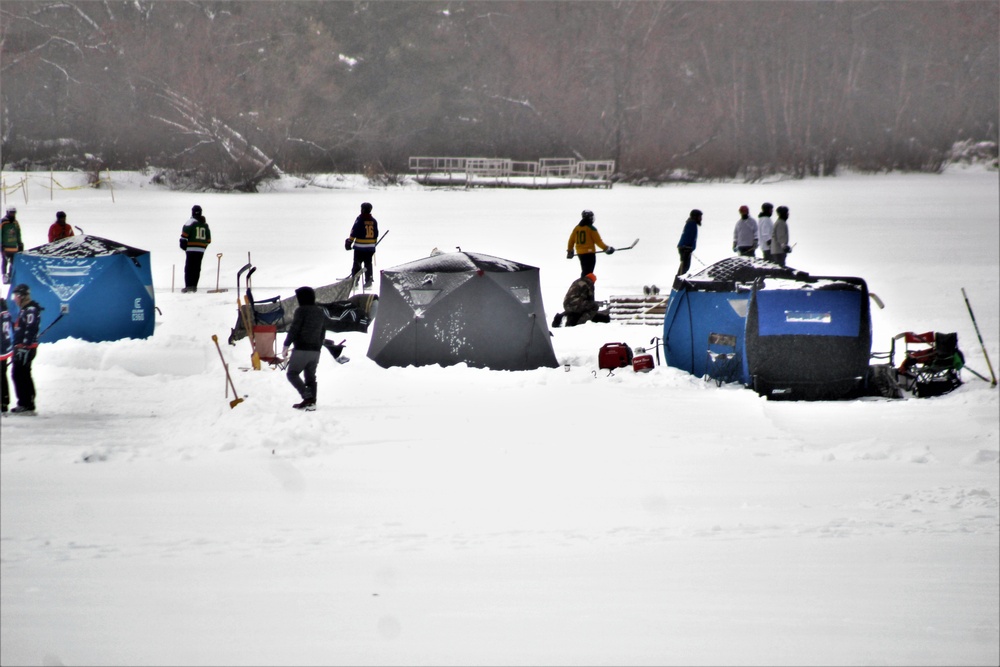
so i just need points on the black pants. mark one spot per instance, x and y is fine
(24, 386)
(4, 387)
(778, 259)
(685, 253)
(588, 261)
(192, 268)
(366, 259)
(746, 251)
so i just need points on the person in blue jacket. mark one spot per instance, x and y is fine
(689, 241)
(25, 347)
(6, 352)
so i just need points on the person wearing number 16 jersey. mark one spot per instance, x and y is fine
(364, 236)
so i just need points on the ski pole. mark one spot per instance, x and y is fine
(993, 383)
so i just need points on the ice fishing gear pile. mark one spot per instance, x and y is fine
(261, 320)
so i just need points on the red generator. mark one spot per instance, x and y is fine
(614, 355)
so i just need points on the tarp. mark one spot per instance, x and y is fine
(780, 330)
(103, 289)
(349, 313)
(462, 307)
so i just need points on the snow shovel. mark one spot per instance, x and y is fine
(236, 397)
(218, 270)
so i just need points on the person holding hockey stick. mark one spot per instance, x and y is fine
(689, 241)
(25, 347)
(363, 239)
(585, 239)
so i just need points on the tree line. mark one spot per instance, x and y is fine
(234, 92)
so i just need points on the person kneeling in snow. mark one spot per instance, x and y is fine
(579, 304)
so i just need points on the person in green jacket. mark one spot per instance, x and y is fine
(195, 237)
(10, 240)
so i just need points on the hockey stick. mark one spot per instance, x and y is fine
(993, 383)
(245, 316)
(628, 247)
(46, 330)
(977, 374)
(236, 397)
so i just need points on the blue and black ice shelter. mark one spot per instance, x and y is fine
(778, 330)
(102, 289)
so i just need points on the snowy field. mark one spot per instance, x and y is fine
(461, 516)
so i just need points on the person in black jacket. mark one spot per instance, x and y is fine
(307, 334)
(25, 347)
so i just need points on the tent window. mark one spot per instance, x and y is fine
(806, 316)
(422, 297)
(522, 294)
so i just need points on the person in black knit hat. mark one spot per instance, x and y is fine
(307, 333)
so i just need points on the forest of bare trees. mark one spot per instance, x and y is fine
(238, 91)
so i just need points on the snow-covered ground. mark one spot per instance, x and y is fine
(461, 516)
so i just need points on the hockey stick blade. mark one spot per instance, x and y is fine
(628, 247)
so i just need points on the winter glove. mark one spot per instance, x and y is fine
(347, 244)
(610, 250)
(788, 249)
(569, 254)
(21, 355)
(184, 244)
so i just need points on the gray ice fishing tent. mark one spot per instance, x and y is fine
(462, 307)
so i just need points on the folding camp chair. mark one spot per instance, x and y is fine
(724, 363)
(265, 314)
(931, 363)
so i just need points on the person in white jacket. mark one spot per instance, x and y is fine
(745, 234)
(779, 237)
(764, 227)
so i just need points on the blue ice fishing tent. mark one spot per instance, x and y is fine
(103, 290)
(781, 331)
